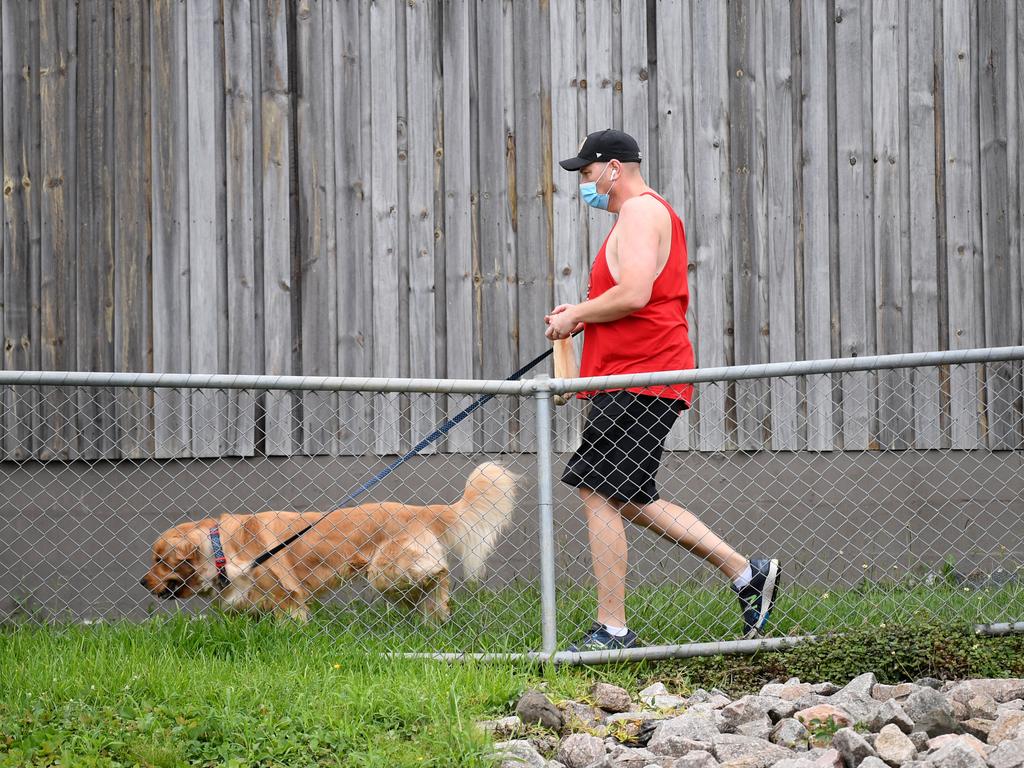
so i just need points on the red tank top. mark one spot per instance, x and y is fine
(655, 338)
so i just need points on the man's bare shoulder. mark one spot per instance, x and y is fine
(644, 209)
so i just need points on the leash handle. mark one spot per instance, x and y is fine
(434, 436)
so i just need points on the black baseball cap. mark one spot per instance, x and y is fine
(601, 146)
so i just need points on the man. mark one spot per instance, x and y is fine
(634, 321)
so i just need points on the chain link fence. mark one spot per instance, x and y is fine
(889, 488)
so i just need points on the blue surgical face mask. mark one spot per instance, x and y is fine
(590, 195)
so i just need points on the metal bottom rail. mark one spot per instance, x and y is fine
(647, 653)
(999, 629)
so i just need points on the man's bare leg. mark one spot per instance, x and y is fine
(609, 553)
(679, 525)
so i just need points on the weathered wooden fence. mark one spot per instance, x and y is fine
(371, 187)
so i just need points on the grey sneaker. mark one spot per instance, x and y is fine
(599, 639)
(757, 598)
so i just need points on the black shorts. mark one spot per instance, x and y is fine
(623, 439)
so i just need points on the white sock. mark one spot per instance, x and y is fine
(744, 578)
(615, 631)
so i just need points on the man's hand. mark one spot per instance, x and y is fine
(561, 322)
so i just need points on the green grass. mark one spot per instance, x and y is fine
(233, 691)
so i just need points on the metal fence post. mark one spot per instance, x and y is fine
(544, 511)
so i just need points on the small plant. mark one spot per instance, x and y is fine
(821, 730)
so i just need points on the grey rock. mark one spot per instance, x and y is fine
(554, 764)
(655, 689)
(931, 712)
(827, 758)
(956, 755)
(920, 740)
(677, 746)
(745, 710)
(610, 698)
(790, 733)
(782, 709)
(518, 753)
(535, 708)
(1001, 690)
(795, 762)
(545, 743)
(934, 745)
(1009, 754)
(657, 696)
(731, 746)
(981, 706)
(862, 685)
(929, 682)
(1007, 727)
(642, 716)
(890, 713)
(1017, 704)
(978, 727)
(697, 759)
(576, 715)
(893, 746)
(682, 734)
(502, 728)
(852, 746)
(579, 750)
(634, 758)
(872, 762)
(882, 692)
(760, 728)
(824, 689)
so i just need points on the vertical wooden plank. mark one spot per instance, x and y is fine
(780, 192)
(57, 83)
(352, 142)
(814, 217)
(710, 241)
(963, 214)
(599, 83)
(95, 244)
(635, 76)
(275, 173)
(675, 147)
(314, 168)
(496, 142)
(570, 264)
(853, 163)
(1014, 157)
(420, 21)
(894, 394)
(458, 214)
(749, 214)
(207, 262)
(922, 71)
(132, 262)
(384, 206)
(6, 393)
(239, 223)
(1000, 270)
(170, 281)
(21, 210)
(533, 169)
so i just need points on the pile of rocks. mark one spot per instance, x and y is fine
(927, 724)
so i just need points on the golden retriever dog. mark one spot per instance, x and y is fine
(401, 549)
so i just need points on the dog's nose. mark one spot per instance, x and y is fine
(142, 581)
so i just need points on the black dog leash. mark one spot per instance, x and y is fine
(437, 434)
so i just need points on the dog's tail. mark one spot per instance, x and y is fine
(482, 513)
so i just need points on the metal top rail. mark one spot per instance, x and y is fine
(502, 387)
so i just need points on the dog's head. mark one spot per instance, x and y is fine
(178, 568)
